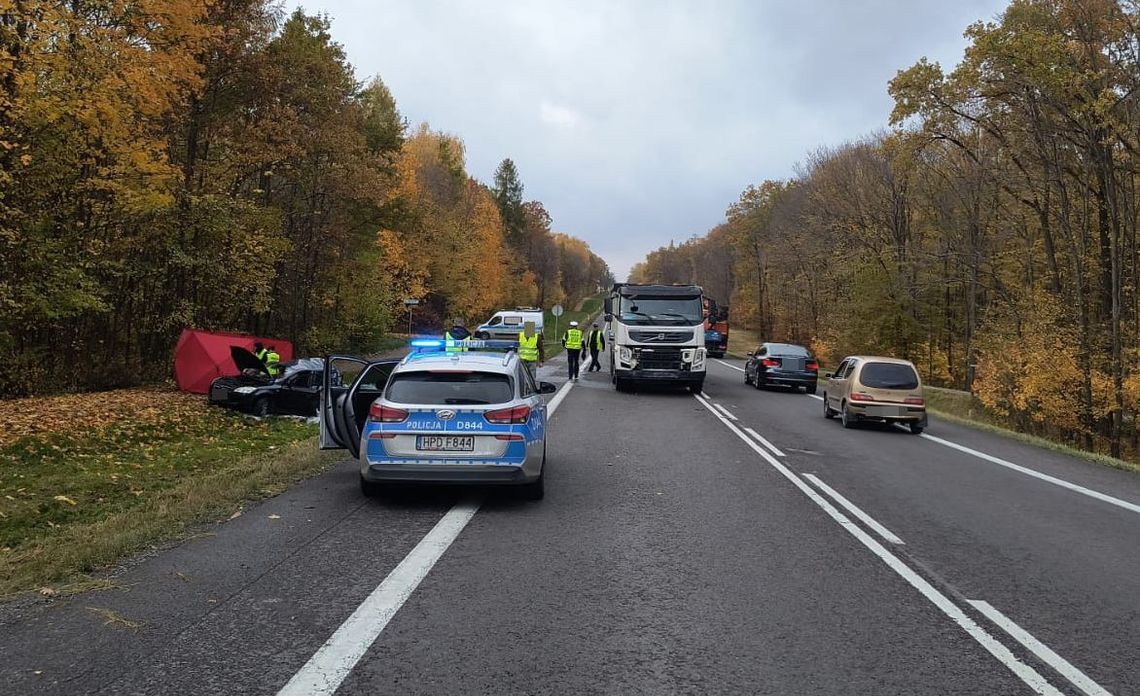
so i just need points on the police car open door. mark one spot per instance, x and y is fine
(348, 388)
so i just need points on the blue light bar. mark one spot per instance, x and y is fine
(439, 344)
(427, 343)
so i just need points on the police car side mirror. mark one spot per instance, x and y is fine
(547, 388)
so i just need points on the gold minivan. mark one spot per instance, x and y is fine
(870, 388)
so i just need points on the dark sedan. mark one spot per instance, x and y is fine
(296, 391)
(782, 364)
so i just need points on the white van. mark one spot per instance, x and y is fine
(507, 323)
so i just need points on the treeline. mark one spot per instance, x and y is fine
(172, 163)
(990, 236)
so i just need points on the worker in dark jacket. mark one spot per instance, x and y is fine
(597, 344)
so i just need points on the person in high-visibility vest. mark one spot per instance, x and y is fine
(259, 352)
(456, 338)
(273, 361)
(597, 344)
(530, 348)
(572, 340)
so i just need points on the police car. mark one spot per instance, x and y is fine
(475, 417)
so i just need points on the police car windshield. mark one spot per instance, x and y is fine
(684, 311)
(454, 388)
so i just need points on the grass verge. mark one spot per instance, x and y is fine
(86, 479)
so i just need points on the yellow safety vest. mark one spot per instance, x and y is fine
(598, 339)
(528, 347)
(453, 345)
(574, 339)
(273, 363)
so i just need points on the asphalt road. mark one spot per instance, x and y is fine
(674, 553)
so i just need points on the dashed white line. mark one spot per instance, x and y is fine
(854, 510)
(760, 438)
(1031, 677)
(333, 661)
(816, 397)
(726, 412)
(738, 369)
(1036, 474)
(1065, 668)
(323, 674)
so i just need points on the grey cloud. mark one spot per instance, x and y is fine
(639, 122)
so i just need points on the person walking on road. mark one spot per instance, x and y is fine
(531, 351)
(597, 345)
(572, 340)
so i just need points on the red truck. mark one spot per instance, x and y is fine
(716, 328)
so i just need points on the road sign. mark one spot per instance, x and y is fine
(556, 310)
(409, 302)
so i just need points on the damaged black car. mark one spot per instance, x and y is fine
(296, 391)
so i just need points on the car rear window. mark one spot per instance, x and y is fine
(879, 375)
(787, 349)
(450, 388)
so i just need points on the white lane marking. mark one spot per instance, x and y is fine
(332, 662)
(1037, 474)
(816, 396)
(738, 369)
(769, 445)
(854, 510)
(1026, 673)
(726, 412)
(1065, 668)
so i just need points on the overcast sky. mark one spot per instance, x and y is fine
(637, 122)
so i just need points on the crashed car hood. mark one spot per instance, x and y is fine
(246, 360)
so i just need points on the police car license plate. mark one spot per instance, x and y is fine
(445, 443)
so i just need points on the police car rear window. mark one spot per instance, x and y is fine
(455, 388)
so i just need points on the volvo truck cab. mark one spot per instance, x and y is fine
(657, 334)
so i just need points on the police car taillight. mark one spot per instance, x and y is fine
(386, 414)
(508, 416)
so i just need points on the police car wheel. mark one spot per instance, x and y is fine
(533, 490)
(370, 489)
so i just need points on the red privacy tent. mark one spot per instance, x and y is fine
(200, 356)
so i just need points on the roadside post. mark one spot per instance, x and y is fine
(410, 302)
(556, 310)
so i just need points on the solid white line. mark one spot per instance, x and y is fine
(726, 412)
(769, 445)
(739, 369)
(816, 396)
(1063, 666)
(854, 510)
(1026, 673)
(1037, 474)
(332, 662)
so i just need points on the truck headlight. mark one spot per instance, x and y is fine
(245, 390)
(625, 354)
(687, 354)
(699, 358)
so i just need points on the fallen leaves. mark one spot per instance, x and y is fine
(114, 618)
(64, 499)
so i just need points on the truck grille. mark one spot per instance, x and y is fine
(661, 336)
(659, 359)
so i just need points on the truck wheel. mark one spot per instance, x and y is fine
(622, 385)
(697, 387)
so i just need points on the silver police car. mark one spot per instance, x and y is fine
(436, 417)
